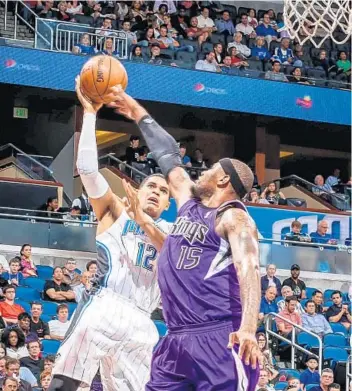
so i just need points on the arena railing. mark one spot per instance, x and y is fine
(269, 322)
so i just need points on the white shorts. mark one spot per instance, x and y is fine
(110, 333)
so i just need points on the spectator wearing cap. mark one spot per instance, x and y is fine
(321, 236)
(270, 280)
(339, 312)
(225, 25)
(266, 30)
(267, 303)
(208, 64)
(259, 51)
(296, 235)
(314, 322)
(14, 276)
(245, 28)
(286, 291)
(56, 289)
(289, 313)
(237, 43)
(205, 22)
(71, 277)
(9, 310)
(284, 53)
(194, 32)
(298, 286)
(311, 374)
(275, 73)
(326, 379)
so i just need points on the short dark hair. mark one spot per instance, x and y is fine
(204, 7)
(50, 357)
(36, 303)
(163, 5)
(244, 14)
(9, 378)
(126, 20)
(276, 62)
(32, 341)
(225, 11)
(134, 137)
(55, 268)
(90, 263)
(25, 245)
(77, 208)
(24, 315)
(11, 361)
(51, 199)
(145, 180)
(163, 26)
(14, 260)
(182, 145)
(335, 293)
(290, 298)
(7, 287)
(142, 151)
(61, 307)
(316, 292)
(334, 385)
(309, 301)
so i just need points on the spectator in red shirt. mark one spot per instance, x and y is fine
(8, 309)
(290, 314)
(27, 265)
(196, 33)
(235, 60)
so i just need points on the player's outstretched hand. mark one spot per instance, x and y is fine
(88, 105)
(248, 347)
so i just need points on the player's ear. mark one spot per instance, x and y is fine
(223, 180)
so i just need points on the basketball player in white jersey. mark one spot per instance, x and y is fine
(111, 327)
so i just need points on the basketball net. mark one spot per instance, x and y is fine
(318, 20)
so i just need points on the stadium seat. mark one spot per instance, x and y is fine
(334, 355)
(78, 271)
(289, 372)
(35, 283)
(186, 57)
(280, 385)
(26, 306)
(207, 47)
(71, 307)
(309, 292)
(255, 65)
(242, 10)
(216, 38)
(45, 272)
(338, 328)
(335, 340)
(49, 308)
(167, 53)
(27, 294)
(303, 302)
(345, 297)
(46, 318)
(50, 346)
(310, 386)
(189, 42)
(328, 293)
(161, 327)
(328, 303)
(307, 340)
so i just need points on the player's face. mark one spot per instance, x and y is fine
(205, 186)
(154, 196)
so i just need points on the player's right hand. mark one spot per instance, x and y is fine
(88, 105)
(248, 347)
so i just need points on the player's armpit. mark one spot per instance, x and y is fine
(108, 203)
(180, 186)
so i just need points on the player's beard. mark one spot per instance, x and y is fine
(201, 192)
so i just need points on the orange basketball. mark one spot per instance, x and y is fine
(99, 74)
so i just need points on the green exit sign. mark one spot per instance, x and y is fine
(20, 112)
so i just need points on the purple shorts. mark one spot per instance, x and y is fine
(197, 359)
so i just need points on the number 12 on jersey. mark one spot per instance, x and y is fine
(145, 255)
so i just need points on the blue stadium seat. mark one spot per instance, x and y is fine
(278, 299)
(50, 346)
(45, 272)
(280, 385)
(307, 339)
(309, 292)
(26, 306)
(290, 372)
(71, 307)
(303, 302)
(186, 57)
(27, 294)
(328, 303)
(49, 308)
(336, 340)
(78, 271)
(338, 328)
(328, 293)
(161, 327)
(46, 318)
(35, 283)
(310, 386)
(346, 298)
(334, 355)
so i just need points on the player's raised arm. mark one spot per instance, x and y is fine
(102, 198)
(239, 229)
(163, 146)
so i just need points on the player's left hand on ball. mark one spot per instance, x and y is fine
(88, 105)
(248, 347)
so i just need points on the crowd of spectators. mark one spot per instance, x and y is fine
(199, 34)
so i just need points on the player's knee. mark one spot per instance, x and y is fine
(63, 383)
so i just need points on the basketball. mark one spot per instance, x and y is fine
(99, 74)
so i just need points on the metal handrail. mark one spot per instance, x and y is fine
(119, 161)
(268, 322)
(320, 246)
(41, 218)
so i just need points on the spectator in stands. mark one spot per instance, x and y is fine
(14, 340)
(84, 285)
(336, 387)
(171, 31)
(227, 65)
(311, 374)
(148, 38)
(343, 64)
(315, 322)
(138, 15)
(219, 53)
(252, 18)
(132, 151)
(2, 365)
(73, 218)
(321, 187)
(56, 289)
(37, 325)
(272, 194)
(194, 32)
(275, 73)
(59, 327)
(122, 11)
(14, 276)
(322, 61)
(10, 384)
(270, 280)
(83, 203)
(293, 384)
(71, 277)
(45, 379)
(24, 322)
(33, 362)
(167, 42)
(263, 381)
(2, 351)
(284, 53)
(225, 25)
(62, 12)
(296, 235)
(317, 297)
(237, 58)
(267, 357)
(286, 291)
(84, 47)
(28, 267)
(245, 28)
(51, 206)
(339, 312)
(259, 51)
(205, 22)
(266, 30)
(198, 160)
(186, 160)
(136, 54)
(46, 10)
(163, 10)
(267, 303)
(298, 286)
(321, 235)
(105, 30)
(296, 77)
(131, 36)
(155, 57)
(74, 7)
(180, 21)
(254, 198)
(208, 64)
(326, 379)
(241, 48)
(108, 47)
(9, 311)
(13, 371)
(92, 268)
(49, 362)
(334, 179)
(290, 314)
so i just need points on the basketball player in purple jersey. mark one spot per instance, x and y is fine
(208, 272)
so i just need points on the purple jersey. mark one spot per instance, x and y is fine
(197, 277)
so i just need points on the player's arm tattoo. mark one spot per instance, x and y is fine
(239, 229)
(180, 185)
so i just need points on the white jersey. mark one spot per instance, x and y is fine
(125, 259)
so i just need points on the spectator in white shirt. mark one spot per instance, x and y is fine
(59, 327)
(131, 37)
(245, 28)
(333, 179)
(205, 22)
(104, 31)
(84, 285)
(208, 64)
(82, 202)
(286, 291)
(241, 48)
